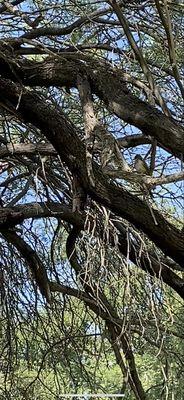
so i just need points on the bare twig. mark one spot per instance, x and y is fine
(172, 54)
(155, 90)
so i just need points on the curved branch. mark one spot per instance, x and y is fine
(10, 217)
(32, 260)
(133, 141)
(38, 49)
(108, 84)
(147, 261)
(58, 31)
(72, 151)
(137, 140)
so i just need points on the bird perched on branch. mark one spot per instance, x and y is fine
(141, 166)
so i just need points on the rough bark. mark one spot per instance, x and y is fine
(63, 136)
(10, 217)
(108, 84)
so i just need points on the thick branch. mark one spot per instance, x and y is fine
(71, 150)
(27, 149)
(10, 217)
(109, 85)
(147, 261)
(133, 141)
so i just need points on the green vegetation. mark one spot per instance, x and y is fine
(91, 199)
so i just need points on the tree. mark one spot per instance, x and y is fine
(84, 88)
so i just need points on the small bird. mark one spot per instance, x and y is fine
(141, 166)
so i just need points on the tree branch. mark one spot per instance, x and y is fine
(10, 217)
(32, 260)
(58, 31)
(108, 84)
(27, 149)
(138, 54)
(52, 121)
(14, 3)
(166, 21)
